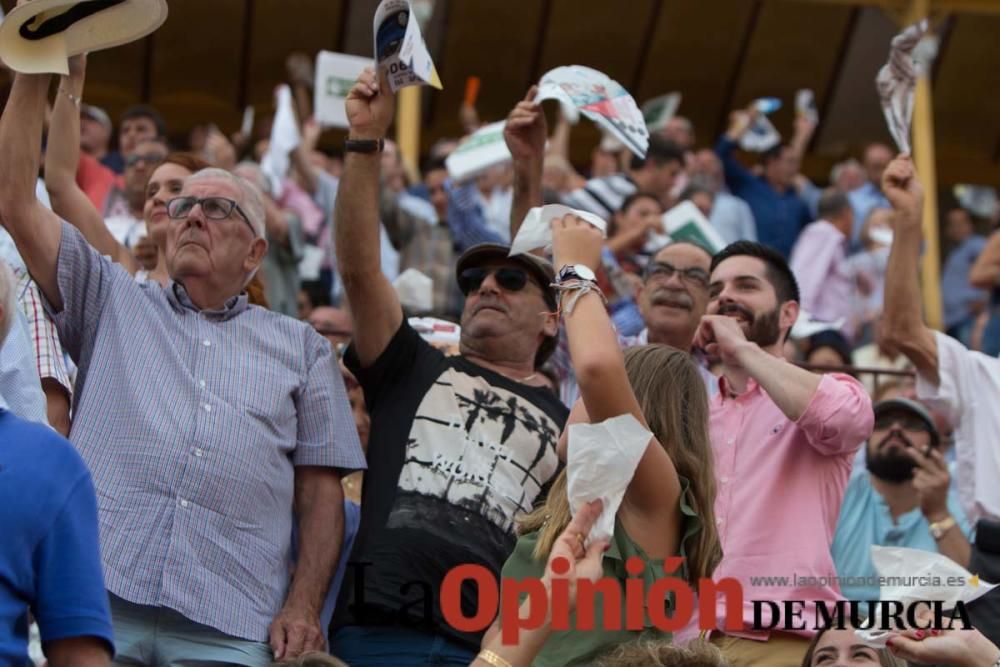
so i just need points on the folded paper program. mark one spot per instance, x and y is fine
(898, 564)
(535, 232)
(896, 82)
(601, 460)
(601, 99)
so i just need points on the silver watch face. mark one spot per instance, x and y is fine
(584, 272)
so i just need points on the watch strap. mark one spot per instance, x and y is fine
(364, 145)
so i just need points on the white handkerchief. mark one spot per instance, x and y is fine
(805, 105)
(601, 460)
(415, 291)
(760, 136)
(285, 138)
(912, 565)
(896, 82)
(805, 326)
(535, 232)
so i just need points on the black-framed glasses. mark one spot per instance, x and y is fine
(509, 278)
(911, 423)
(152, 159)
(214, 208)
(693, 276)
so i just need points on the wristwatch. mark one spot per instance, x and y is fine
(575, 272)
(939, 528)
(364, 145)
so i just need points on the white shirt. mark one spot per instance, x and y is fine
(969, 393)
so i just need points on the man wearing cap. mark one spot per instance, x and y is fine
(903, 501)
(235, 414)
(459, 444)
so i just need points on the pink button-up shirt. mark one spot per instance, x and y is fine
(780, 486)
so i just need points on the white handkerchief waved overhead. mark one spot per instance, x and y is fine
(896, 82)
(915, 575)
(601, 460)
(536, 233)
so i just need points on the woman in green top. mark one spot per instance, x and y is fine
(667, 508)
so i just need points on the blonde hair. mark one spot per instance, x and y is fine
(659, 653)
(673, 400)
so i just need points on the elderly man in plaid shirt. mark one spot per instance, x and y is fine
(198, 452)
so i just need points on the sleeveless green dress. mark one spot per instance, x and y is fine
(576, 647)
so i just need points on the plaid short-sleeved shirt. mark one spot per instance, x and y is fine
(192, 423)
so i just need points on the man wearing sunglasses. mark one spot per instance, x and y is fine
(235, 415)
(674, 293)
(903, 501)
(459, 444)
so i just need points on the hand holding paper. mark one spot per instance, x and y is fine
(909, 565)
(601, 461)
(536, 231)
(284, 139)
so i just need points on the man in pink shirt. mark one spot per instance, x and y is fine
(819, 262)
(783, 439)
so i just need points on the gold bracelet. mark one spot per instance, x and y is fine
(492, 658)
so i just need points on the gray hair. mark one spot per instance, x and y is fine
(250, 198)
(7, 300)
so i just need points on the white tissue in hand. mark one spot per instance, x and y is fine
(415, 291)
(601, 460)
(536, 233)
(913, 564)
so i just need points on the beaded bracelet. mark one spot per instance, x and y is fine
(579, 288)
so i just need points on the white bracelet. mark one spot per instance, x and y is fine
(72, 98)
(579, 288)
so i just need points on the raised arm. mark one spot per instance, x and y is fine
(34, 228)
(985, 272)
(525, 134)
(375, 307)
(902, 322)
(62, 155)
(600, 367)
(737, 176)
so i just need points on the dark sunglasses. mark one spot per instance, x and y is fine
(510, 278)
(693, 276)
(908, 422)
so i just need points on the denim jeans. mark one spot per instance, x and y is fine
(361, 646)
(161, 637)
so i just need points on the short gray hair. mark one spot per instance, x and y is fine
(7, 300)
(250, 198)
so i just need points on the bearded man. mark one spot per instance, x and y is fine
(784, 439)
(904, 500)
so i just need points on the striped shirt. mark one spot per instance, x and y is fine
(602, 196)
(192, 423)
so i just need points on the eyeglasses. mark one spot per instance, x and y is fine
(693, 276)
(214, 208)
(510, 278)
(151, 159)
(908, 422)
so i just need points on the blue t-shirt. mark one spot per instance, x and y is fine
(50, 557)
(865, 520)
